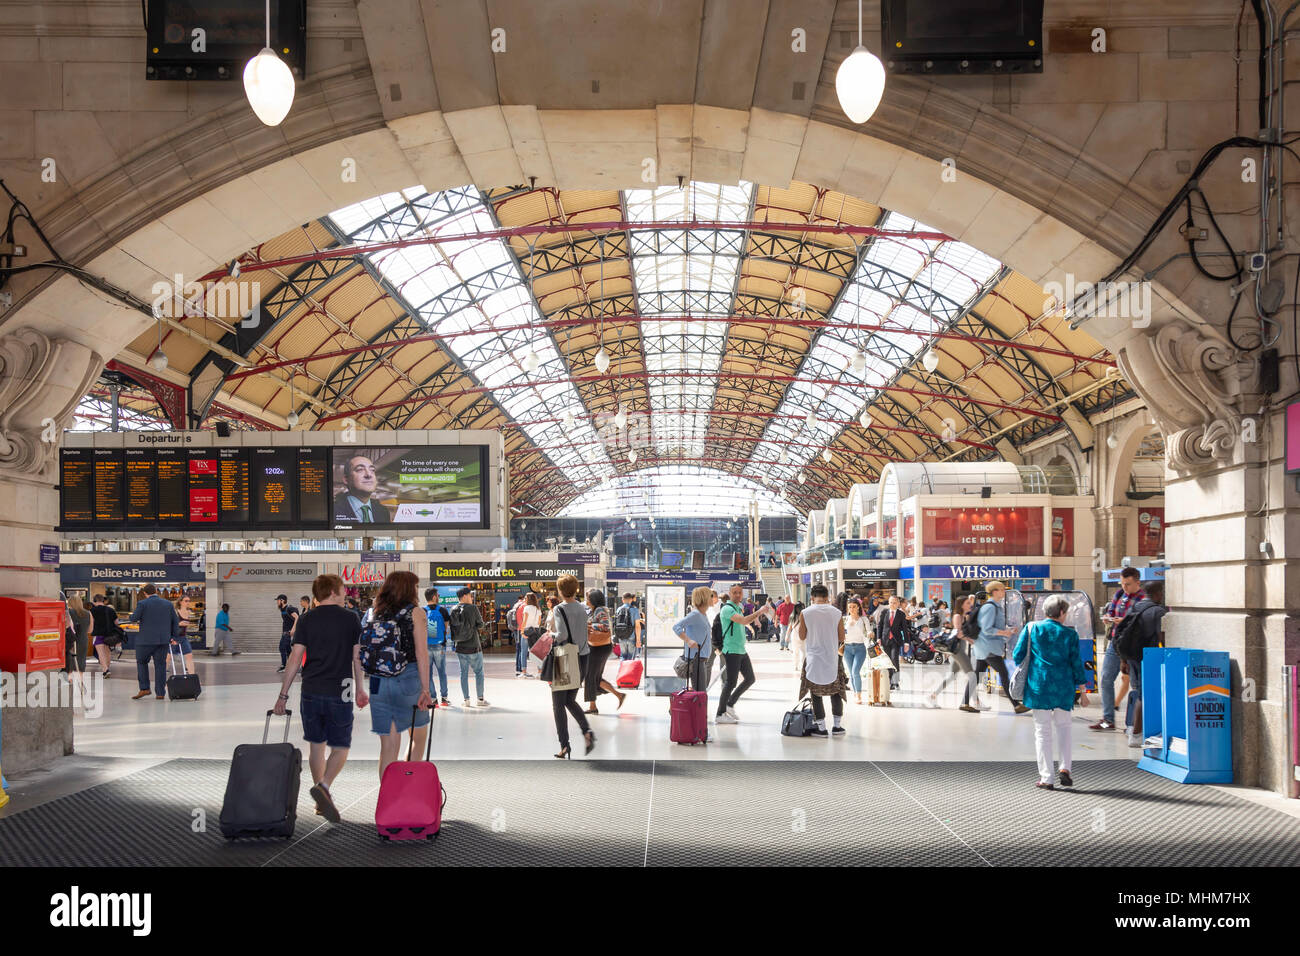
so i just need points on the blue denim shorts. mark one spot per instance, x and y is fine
(184, 643)
(326, 719)
(393, 698)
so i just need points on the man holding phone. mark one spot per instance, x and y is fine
(1129, 593)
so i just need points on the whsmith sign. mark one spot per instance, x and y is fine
(976, 572)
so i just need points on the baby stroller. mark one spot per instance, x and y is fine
(922, 650)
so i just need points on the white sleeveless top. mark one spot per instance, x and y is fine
(855, 632)
(822, 647)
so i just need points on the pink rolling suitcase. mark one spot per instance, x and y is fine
(629, 674)
(688, 715)
(411, 797)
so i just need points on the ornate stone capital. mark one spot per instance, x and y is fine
(1191, 385)
(41, 382)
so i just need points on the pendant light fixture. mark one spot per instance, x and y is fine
(602, 357)
(567, 421)
(930, 360)
(865, 419)
(859, 362)
(620, 417)
(800, 477)
(159, 360)
(268, 82)
(785, 457)
(531, 361)
(811, 420)
(826, 455)
(860, 80)
(292, 418)
(631, 457)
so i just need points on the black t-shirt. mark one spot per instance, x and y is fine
(104, 617)
(329, 633)
(286, 619)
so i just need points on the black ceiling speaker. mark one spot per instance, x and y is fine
(986, 492)
(223, 429)
(961, 36)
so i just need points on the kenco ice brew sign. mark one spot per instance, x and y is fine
(981, 532)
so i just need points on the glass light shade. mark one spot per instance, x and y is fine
(811, 420)
(826, 455)
(602, 361)
(292, 419)
(159, 360)
(930, 360)
(859, 84)
(631, 457)
(865, 419)
(859, 361)
(531, 361)
(269, 86)
(620, 418)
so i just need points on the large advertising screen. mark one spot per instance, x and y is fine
(281, 488)
(420, 487)
(982, 532)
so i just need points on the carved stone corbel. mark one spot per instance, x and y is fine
(41, 382)
(1191, 385)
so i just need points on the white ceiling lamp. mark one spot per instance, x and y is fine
(531, 361)
(785, 457)
(620, 417)
(865, 419)
(159, 359)
(930, 360)
(800, 477)
(268, 82)
(602, 361)
(860, 81)
(631, 457)
(859, 361)
(568, 420)
(1112, 441)
(826, 455)
(523, 526)
(811, 420)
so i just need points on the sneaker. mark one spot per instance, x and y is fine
(482, 702)
(725, 718)
(445, 702)
(838, 731)
(235, 653)
(325, 803)
(1135, 742)
(519, 675)
(818, 732)
(1066, 779)
(731, 712)
(280, 669)
(467, 704)
(1102, 725)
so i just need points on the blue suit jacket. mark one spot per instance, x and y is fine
(158, 621)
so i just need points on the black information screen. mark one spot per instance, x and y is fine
(76, 483)
(233, 477)
(108, 486)
(313, 486)
(172, 482)
(141, 496)
(273, 485)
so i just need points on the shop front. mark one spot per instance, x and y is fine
(122, 586)
(952, 582)
(864, 582)
(250, 588)
(496, 587)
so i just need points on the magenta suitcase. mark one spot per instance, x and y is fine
(629, 674)
(688, 713)
(411, 797)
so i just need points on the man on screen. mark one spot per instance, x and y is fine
(356, 504)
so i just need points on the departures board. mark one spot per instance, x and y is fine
(186, 489)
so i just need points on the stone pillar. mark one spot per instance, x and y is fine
(41, 382)
(1225, 494)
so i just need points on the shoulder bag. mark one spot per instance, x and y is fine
(800, 721)
(598, 638)
(561, 667)
(1021, 676)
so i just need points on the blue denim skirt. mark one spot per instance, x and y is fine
(393, 698)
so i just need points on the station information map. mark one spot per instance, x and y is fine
(290, 488)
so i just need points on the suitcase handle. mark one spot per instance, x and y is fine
(428, 744)
(288, 719)
(173, 652)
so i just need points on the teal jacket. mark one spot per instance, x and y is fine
(1055, 668)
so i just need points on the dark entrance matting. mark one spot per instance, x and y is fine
(681, 813)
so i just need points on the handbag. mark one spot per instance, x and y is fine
(681, 667)
(541, 646)
(800, 721)
(597, 638)
(561, 668)
(1017, 689)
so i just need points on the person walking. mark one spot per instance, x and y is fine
(332, 634)
(185, 613)
(855, 646)
(821, 627)
(400, 702)
(959, 651)
(465, 621)
(796, 642)
(696, 634)
(1139, 630)
(288, 618)
(438, 630)
(224, 633)
(783, 621)
(735, 658)
(516, 638)
(627, 628)
(600, 643)
(159, 627)
(104, 617)
(82, 621)
(1050, 651)
(570, 628)
(892, 632)
(1130, 593)
(990, 646)
(530, 626)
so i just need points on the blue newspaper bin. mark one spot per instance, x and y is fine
(1187, 714)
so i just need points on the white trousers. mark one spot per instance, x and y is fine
(1044, 721)
(799, 653)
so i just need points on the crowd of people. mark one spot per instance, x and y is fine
(392, 657)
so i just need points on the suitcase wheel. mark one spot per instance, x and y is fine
(417, 829)
(383, 837)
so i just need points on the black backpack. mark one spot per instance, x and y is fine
(970, 625)
(623, 627)
(717, 631)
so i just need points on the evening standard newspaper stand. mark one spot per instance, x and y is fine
(1187, 715)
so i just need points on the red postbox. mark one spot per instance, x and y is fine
(31, 633)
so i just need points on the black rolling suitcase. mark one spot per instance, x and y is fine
(262, 792)
(182, 686)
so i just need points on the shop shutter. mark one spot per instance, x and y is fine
(254, 617)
